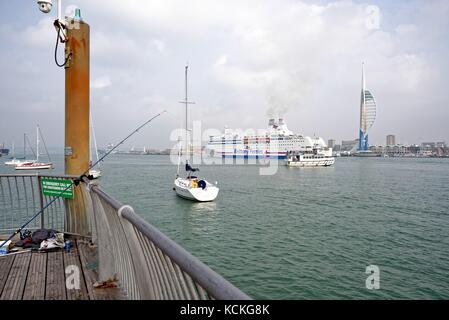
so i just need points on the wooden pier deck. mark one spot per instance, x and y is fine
(35, 275)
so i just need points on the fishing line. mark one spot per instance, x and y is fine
(77, 181)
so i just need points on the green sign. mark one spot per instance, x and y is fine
(57, 187)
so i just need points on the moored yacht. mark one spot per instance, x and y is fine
(192, 187)
(35, 164)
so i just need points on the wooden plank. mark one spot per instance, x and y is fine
(15, 283)
(72, 259)
(55, 281)
(5, 267)
(35, 284)
(89, 262)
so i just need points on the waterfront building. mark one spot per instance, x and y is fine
(428, 145)
(348, 145)
(331, 143)
(391, 140)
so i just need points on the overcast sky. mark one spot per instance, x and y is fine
(301, 59)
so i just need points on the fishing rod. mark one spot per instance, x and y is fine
(78, 180)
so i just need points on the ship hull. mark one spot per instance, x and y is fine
(366, 155)
(311, 163)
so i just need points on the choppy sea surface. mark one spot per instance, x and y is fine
(304, 233)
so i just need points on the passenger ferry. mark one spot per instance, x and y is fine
(275, 142)
(316, 158)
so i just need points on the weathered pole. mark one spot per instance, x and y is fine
(77, 96)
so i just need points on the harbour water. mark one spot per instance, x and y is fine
(304, 233)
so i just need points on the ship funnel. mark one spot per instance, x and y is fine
(271, 122)
(281, 122)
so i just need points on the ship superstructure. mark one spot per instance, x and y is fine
(274, 142)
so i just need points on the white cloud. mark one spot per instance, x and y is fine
(101, 82)
(405, 29)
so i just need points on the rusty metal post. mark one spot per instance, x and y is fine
(77, 94)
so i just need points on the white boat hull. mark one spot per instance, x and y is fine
(312, 163)
(95, 174)
(16, 162)
(184, 189)
(34, 166)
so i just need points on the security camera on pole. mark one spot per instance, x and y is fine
(74, 32)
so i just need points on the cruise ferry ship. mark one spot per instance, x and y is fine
(275, 142)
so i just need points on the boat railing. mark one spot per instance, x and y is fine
(139, 258)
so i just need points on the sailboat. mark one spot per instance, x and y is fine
(35, 164)
(95, 173)
(192, 187)
(15, 160)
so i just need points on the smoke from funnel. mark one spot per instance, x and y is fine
(283, 95)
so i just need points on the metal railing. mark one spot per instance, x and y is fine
(147, 263)
(21, 197)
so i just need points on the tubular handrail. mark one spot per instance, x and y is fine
(211, 281)
(37, 174)
(215, 285)
(21, 197)
(146, 263)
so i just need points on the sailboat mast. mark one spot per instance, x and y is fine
(37, 143)
(186, 101)
(94, 138)
(362, 101)
(95, 144)
(24, 145)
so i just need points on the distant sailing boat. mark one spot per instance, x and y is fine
(16, 160)
(35, 164)
(95, 173)
(192, 187)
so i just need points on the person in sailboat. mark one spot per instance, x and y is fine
(190, 169)
(195, 183)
